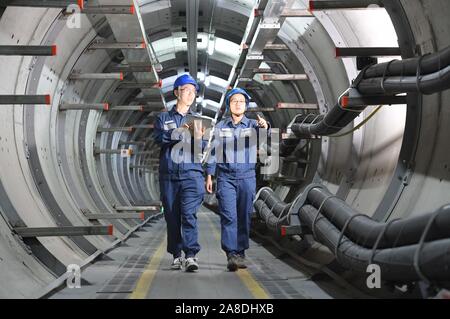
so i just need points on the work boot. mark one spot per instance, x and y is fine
(191, 264)
(232, 263)
(240, 261)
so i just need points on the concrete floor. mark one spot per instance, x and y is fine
(141, 269)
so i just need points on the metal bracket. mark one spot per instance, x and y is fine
(137, 208)
(63, 231)
(107, 216)
(291, 230)
(407, 177)
(356, 99)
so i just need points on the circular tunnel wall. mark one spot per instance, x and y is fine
(396, 166)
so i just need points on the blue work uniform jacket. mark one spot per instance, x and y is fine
(238, 160)
(187, 164)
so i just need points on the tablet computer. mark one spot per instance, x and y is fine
(207, 121)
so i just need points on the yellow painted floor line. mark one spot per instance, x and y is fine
(146, 279)
(246, 277)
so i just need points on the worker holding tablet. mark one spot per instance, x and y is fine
(180, 176)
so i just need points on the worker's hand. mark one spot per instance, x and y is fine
(209, 184)
(262, 122)
(196, 129)
(199, 129)
(186, 126)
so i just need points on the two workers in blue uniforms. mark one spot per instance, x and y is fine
(181, 176)
(182, 183)
(236, 177)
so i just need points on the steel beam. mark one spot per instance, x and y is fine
(143, 126)
(28, 50)
(25, 99)
(276, 47)
(96, 76)
(127, 108)
(355, 99)
(343, 4)
(63, 231)
(137, 208)
(132, 67)
(112, 151)
(115, 129)
(260, 70)
(106, 216)
(301, 106)
(367, 52)
(109, 9)
(116, 45)
(261, 109)
(296, 13)
(41, 3)
(139, 85)
(88, 106)
(284, 77)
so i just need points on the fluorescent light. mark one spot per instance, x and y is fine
(201, 76)
(211, 45)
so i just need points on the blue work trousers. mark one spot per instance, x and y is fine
(235, 197)
(181, 200)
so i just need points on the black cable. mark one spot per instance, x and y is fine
(377, 242)
(405, 263)
(408, 67)
(420, 246)
(384, 76)
(418, 74)
(313, 226)
(366, 232)
(341, 235)
(385, 81)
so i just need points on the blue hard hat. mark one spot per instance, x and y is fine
(185, 79)
(237, 91)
